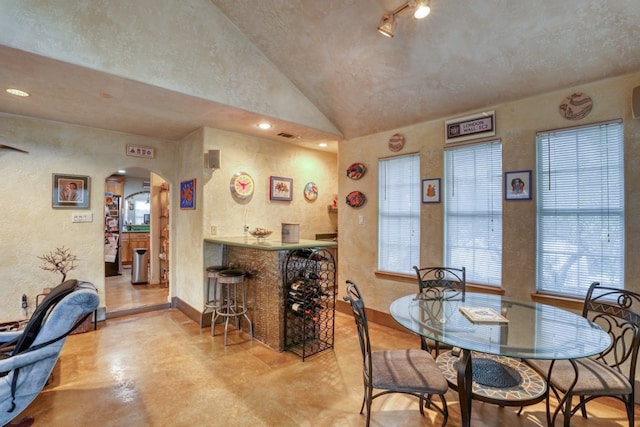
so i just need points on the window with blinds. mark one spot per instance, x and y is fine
(399, 213)
(473, 211)
(580, 209)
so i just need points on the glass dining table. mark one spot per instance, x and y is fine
(530, 331)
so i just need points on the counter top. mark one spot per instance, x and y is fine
(270, 244)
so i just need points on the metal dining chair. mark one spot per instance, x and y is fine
(611, 373)
(438, 282)
(411, 371)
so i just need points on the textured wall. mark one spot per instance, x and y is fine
(263, 159)
(30, 227)
(516, 124)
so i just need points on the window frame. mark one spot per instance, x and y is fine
(395, 238)
(572, 212)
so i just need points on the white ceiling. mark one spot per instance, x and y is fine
(467, 55)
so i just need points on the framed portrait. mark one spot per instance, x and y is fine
(517, 185)
(188, 194)
(70, 191)
(431, 190)
(281, 188)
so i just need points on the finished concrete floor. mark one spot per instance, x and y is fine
(161, 369)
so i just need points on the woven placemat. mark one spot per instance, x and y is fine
(491, 373)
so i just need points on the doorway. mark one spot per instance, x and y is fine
(135, 208)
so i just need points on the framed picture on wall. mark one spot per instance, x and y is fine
(70, 191)
(431, 190)
(281, 188)
(188, 194)
(517, 185)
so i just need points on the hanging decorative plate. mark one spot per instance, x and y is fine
(311, 191)
(396, 142)
(355, 199)
(356, 171)
(576, 106)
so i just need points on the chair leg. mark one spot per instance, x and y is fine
(628, 403)
(567, 412)
(548, 408)
(244, 309)
(445, 410)
(368, 401)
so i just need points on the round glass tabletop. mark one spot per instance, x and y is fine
(530, 330)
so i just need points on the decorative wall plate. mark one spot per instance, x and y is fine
(242, 185)
(575, 106)
(396, 142)
(355, 199)
(356, 171)
(311, 191)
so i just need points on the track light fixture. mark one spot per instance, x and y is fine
(387, 25)
(420, 8)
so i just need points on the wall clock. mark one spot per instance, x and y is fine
(242, 185)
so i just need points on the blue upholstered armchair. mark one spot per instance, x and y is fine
(26, 369)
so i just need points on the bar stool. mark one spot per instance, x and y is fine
(212, 280)
(233, 297)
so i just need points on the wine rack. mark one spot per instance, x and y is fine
(310, 298)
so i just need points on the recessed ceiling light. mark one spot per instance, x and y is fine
(323, 144)
(122, 171)
(17, 92)
(264, 125)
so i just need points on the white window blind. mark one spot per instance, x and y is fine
(399, 213)
(580, 209)
(473, 211)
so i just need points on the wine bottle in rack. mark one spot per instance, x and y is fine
(299, 309)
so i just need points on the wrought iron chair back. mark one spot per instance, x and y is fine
(357, 306)
(612, 372)
(617, 311)
(411, 372)
(439, 283)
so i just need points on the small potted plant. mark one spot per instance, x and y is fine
(59, 261)
(62, 261)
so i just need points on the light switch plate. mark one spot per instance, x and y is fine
(82, 217)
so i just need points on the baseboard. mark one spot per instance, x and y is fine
(373, 316)
(193, 314)
(137, 310)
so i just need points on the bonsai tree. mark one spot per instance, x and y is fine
(59, 261)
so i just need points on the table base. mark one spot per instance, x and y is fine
(531, 389)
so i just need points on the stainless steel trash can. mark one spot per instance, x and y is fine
(140, 266)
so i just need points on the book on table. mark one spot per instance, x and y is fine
(483, 315)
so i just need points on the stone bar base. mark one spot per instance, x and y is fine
(264, 292)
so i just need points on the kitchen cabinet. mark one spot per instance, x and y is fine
(131, 241)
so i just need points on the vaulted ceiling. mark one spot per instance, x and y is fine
(325, 59)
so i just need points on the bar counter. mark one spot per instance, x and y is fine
(263, 262)
(269, 244)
